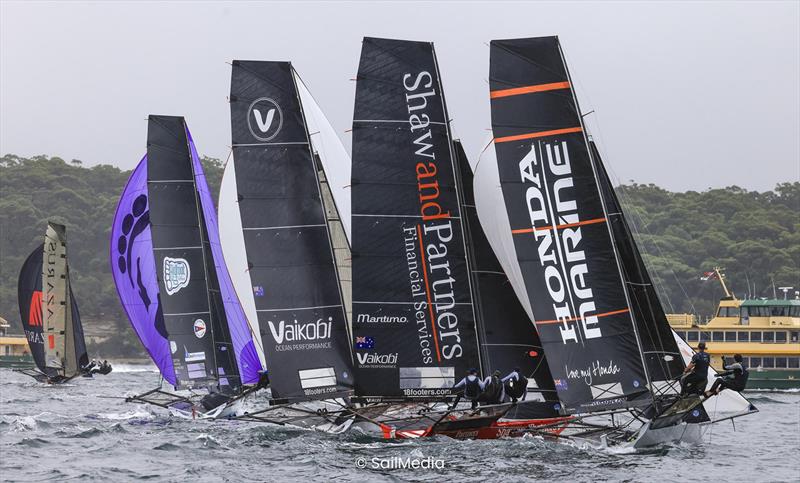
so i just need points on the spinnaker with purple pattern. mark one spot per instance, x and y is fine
(169, 271)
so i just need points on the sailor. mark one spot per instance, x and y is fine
(473, 387)
(105, 368)
(88, 368)
(515, 385)
(734, 378)
(493, 391)
(695, 377)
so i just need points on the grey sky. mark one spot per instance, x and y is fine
(687, 95)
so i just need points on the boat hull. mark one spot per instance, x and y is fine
(17, 362)
(780, 379)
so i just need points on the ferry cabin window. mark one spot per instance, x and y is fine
(691, 336)
(744, 336)
(755, 362)
(794, 311)
(780, 362)
(728, 312)
(730, 336)
(755, 336)
(769, 362)
(758, 311)
(795, 336)
(705, 336)
(769, 336)
(780, 336)
(794, 363)
(779, 311)
(718, 336)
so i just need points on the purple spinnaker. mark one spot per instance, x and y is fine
(241, 336)
(134, 269)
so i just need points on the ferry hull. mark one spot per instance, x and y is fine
(17, 362)
(773, 379)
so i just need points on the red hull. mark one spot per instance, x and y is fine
(498, 429)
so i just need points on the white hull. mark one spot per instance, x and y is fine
(680, 433)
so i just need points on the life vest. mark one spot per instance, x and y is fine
(472, 389)
(491, 393)
(517, 388)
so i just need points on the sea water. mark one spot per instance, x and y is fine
(85, 430)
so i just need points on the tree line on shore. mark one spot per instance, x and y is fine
(755, 236)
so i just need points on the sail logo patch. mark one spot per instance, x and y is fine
(365, 342)
(176, 274)
(295, 332)
(264, 119)
(374, 359)
(199, 328)
(35, 311)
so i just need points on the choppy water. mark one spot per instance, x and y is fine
(83, 431)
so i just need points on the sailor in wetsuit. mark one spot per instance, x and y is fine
(734, 378)
(493, 390)
(516, 385)
(695, 377)
(473, 387)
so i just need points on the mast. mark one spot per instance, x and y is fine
(568, 258)
(413, 316)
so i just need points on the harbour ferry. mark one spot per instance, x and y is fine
(14, 351)
(766, 332)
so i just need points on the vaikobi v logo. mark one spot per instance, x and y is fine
(264, 119)
(176, 273)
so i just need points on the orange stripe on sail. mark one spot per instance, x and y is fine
(428, 292)
(558, 227)
(540, 134)
(604, 314)
(528, 89)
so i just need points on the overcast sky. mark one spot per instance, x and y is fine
(686, 95)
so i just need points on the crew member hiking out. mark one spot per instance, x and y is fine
(734, 378)
(473, 387)
(515, 385)
(695, 376)
(493, 391)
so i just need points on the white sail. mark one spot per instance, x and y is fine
(331, 151)
(492, 214)
(55, 299)
(231, 238)
(728, 403)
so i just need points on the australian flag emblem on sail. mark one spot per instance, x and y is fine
(365, 342)
(258, 290)
(561, 384)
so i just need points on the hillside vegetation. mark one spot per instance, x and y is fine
(754, 236)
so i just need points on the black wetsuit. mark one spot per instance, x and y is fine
(699, 376)
(735, 378)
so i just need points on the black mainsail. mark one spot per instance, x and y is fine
(564, 245)
(188, 285)
(413, 318)
(279, 211)
(48, 309)
(508, 336)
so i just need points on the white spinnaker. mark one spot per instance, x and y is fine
(231, 237)
(332, 154)
(491, 208)
(728, 403)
